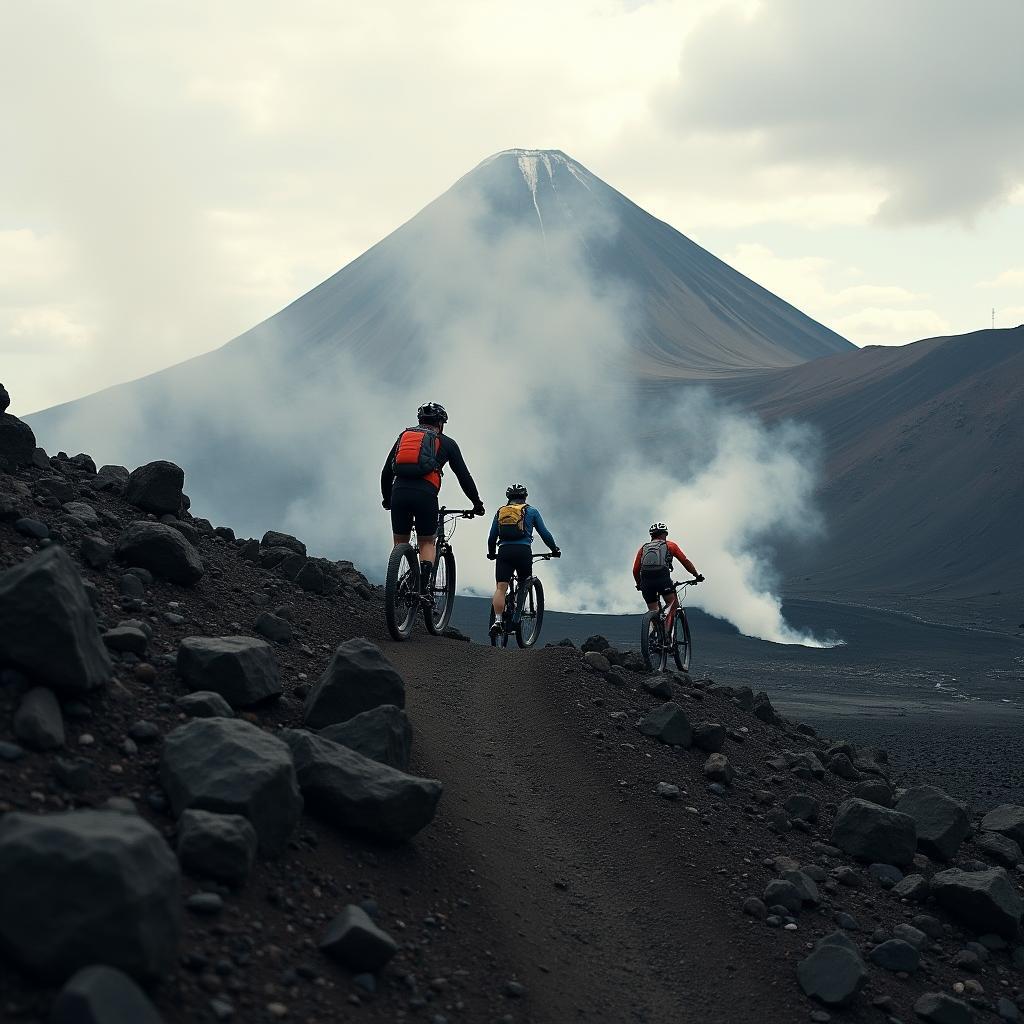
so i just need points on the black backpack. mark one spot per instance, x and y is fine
(654, 557)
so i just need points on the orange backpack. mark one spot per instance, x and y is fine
(416, 457)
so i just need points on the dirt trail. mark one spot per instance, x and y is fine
(606, 901)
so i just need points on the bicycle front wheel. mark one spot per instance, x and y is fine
(401, 591)
(439, 614)
(683, 646)
(652, 642)
(531, 614)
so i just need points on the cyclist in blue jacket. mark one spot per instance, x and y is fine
(510, 544)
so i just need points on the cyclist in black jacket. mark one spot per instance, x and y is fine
(413, 499)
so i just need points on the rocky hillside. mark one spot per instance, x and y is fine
(213, 807)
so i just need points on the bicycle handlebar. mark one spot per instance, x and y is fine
(546, 556)
(464, 513)
(685, 583)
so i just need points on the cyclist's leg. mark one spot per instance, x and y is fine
(498, 601)
(426, 531)
(401, 517)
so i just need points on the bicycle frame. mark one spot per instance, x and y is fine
(669, 612)
(445, 531)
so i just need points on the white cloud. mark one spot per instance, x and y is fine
(1007, 279)
(867, 314)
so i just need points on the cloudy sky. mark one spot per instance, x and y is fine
(173, 173)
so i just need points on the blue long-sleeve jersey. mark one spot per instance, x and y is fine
(532, 521)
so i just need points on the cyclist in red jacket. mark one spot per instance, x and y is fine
(652, 567)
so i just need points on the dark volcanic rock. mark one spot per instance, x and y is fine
(156, 487)
(940, 1008)
(984, 900)
(834, 972)
(872, 833)
(874, 791)
(763, 710)
(231, 767)
(5, 399)
(17, 442)
(999, 847)
(111, 893)
(896, 955)
(102, 995)
(355, 941)
(357, 679)
(354, 792)
(220, 846)
(669, 724)
(802, 807)
(162, 550)
(38, 722)
(47, 626)
(273, 628)
(112, 478)
(205, 704)
(273, 539)
(96, 552)
(382, 734)
(1006, 819)
(242, 669)
(718, 769)
(942, 823)
(709, 736)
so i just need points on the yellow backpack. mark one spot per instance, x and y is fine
(512, 521)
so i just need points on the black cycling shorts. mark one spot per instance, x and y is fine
(656, 584)
(517, 557)
(408, 506)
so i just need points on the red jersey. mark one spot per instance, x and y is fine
(674, 551)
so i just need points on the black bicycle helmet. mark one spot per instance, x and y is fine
(658, 528)
(516, 492)
(432, 412)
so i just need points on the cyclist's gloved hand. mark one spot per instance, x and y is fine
(387, 505)
(491, 555)
(638, 587)
(556, 552)
(698, 578)
(478, 509)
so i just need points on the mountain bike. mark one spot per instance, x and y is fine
(524, 610)
(403, 596)
(666, 632)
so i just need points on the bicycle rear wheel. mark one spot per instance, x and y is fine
(652, 642)
(531, 613)
(439, 614)
(401, 591)
(682, 648)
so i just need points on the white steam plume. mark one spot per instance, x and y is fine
(530, 352)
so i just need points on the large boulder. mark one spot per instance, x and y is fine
(47, 626)
(83, 887)
(162, 550)
(1007, 820)
(873, 833)
(229, 766)
(102, 995)
(382, 734)
(834, 972)
(942, 822)
(984, 900)
(242, 669)
(669, 724)
(17, 442)
(156, 487)
(999, 847)
(220, 846)
(357, 679)
(354, 792)
(274, 539)
(5, 399)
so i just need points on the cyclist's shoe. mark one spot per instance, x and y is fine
(495, 629)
